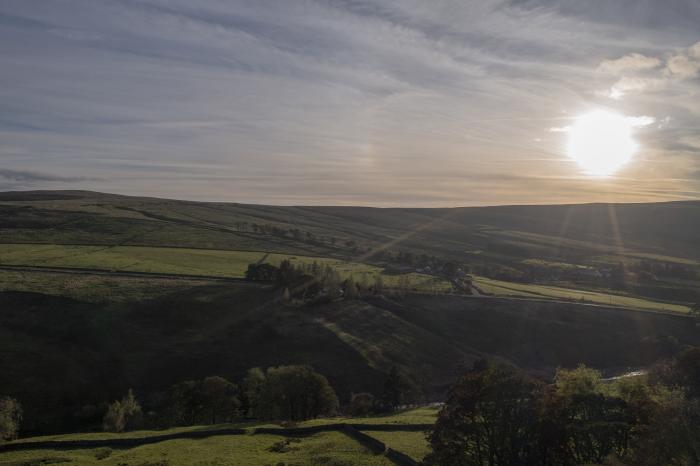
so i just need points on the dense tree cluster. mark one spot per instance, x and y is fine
(399, 391)
(498, 415)
(306, 281)
(210, 400)
(290, 393)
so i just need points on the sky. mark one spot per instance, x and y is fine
(347, 102)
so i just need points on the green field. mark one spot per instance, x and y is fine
(522, 290)
(93, 288)
(328, 448)
(183, 261)
(413, 444)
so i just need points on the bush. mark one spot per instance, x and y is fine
(123, 415)
(102, 453)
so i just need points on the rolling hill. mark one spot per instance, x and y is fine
(99, 293)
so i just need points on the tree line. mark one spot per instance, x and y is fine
(496, 414)
(306, 281)
(292, 393)
(285, 393)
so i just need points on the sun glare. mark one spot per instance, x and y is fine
(601, 142)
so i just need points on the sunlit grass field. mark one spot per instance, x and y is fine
(502, 288)
(327, 448)
(93, 288)
(413, 444)
(196, 262)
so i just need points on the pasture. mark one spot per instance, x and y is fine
(187, 261)
(324, 448)
(535, 291)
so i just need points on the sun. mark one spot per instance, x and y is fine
(601, 142)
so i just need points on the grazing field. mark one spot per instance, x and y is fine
(181, 261)
(327, 448)
(413, 444)
(93, 288)
(426, 415)
(184, 261)
(522, 290)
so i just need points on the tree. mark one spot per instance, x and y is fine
(580, 381)
(399, 390)
(262, 272)
(250, 393)
(361, 404)
(597, 426)
(123, 415)
(10, 418)
(219, 398)
(295, 393)
(490, 418)
(672, 436)
(686, 371)
(185, 403)
(582, 424)
(350, 290)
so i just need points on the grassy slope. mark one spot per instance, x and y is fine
(89, 339)
(423, 415)
(325, 448)
(67, 353)
(184, 261)
(666, 229)
(328, 448)
(502, 288)
(598, 235)
(413, 444)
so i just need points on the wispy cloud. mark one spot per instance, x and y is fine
(643, 74)
(631, 62)
(31, 176)
(380, 102)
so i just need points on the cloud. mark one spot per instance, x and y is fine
(641, 73)
(631, 62)
(635, 85)
(31, 176)
(640, 121)
(327, 101)
(682, 67)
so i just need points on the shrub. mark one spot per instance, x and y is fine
(10, 418)
(123, 415)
